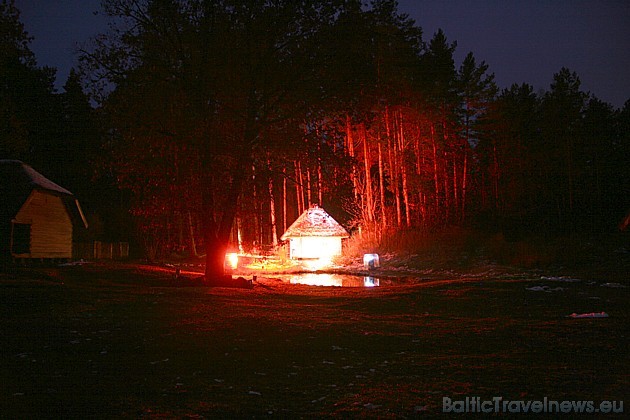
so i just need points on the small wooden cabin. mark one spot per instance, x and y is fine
(37, 216)
(314, 235)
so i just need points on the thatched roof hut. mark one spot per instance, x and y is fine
(315, 234)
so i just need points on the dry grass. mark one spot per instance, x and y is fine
(462, 249)
(129, 341)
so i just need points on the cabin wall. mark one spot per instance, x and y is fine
(315, 247)
(50, 226)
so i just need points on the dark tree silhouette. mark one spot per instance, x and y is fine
(27, 105)
(199, 90)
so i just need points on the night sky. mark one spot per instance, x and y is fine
(522, 41)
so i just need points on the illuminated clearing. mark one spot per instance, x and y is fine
(336, 280)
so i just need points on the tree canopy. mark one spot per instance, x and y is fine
(224, 120)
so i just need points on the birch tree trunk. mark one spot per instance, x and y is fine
(455, 187)
(272, 213)
(393, 166)
(406, 197)
(298, 187)
(284, 200)
(255, 208)
(403, 166)
(320, 182)
(239, 234)
(381, 177)
(308, 187)
(419, 164)
(464, 180)
(303, 193)
(191, 232)
(368, 176)
(350, 148)
(446, 210)
(495, 159)
(435, 172)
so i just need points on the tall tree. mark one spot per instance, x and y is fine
(562, 109)
(28, 112)
(620, 182)
(478, 92)
(217, 79)
(438, 84)
(601, 168)
(512, 184)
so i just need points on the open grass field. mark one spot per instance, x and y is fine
(111, 341)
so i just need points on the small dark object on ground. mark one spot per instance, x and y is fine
(228, 281)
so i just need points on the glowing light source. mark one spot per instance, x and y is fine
(336, 280)
(317, 280)
(319, 247)
(316, 264)
(371, 261)
(370, 281)
(232, 260)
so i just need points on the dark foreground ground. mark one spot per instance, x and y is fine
(129, 341)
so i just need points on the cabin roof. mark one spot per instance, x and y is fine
(315, 222)
(18, 180)
(17, 172)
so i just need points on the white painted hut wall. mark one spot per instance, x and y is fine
(315, 247)
(51, 226)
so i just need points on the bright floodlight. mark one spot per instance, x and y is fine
(316, 264)
(232, 260)
(370, 281)
(371, 261)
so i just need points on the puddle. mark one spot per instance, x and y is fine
(336, 280)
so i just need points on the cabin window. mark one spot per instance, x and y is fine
(21, 243)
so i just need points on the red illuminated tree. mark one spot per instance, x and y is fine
(201, 89)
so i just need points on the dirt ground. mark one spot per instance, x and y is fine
(111, 341)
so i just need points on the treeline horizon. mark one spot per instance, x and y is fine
(217, 124)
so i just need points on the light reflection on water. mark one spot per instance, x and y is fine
(338, 280)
